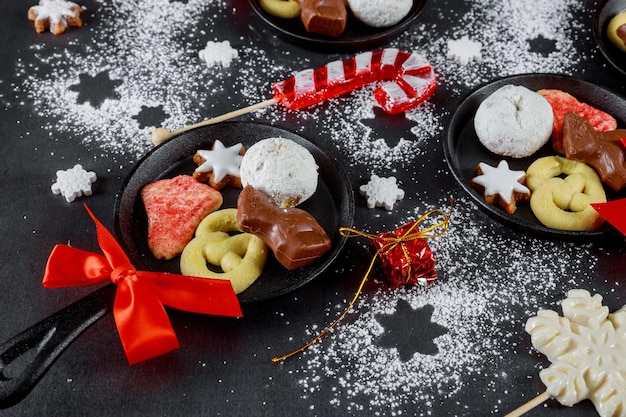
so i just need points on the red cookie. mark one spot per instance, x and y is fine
(562, 103)
(175, 207)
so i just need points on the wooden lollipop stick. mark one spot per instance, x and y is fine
(529, 405)
(161, 134)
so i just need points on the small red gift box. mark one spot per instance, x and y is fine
(405, 257)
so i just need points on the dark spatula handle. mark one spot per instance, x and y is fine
(26, 357)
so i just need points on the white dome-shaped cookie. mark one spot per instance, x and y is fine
(380, 13)
(514, 121)
(282, 169)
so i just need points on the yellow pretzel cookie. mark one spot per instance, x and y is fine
(564, 203)
(287, 9)
(241, 257)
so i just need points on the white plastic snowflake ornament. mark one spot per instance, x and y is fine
(381, 192)
(464, 50)
(74, 182)
(218, 53)
(587, 348)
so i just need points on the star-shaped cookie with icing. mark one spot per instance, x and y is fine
(381, 192)
(220, 166)
(74, 182)
(500, 185)
(587, 351)
(56, 15)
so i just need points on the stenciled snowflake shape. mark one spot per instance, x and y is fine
(587, 349)
(464, 50)
(418, 331)
(74, 182)
(96, 89)
(542, 45)
(150, 116)
(381, 127)
(381, 192)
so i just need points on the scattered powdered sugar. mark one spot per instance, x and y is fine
(509, 31)
(482, 310)
(154, 55)
(152, 64)
(360, 142)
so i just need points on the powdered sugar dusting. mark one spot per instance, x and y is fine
(359, 142)
(154, 54)
(507, 30)
(479, 338)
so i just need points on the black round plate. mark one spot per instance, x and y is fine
(355, 37)
(464, 151)
(605, 12)
(332, 205)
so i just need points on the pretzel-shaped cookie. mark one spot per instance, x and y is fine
(564, 203)
(241, 257)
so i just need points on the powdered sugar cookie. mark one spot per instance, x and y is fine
(56, 15)
(282, 169)
(381, 192)
(514, 121)
(380, 13)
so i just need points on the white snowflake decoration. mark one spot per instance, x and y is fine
(587, 349)
(464, 50)
(74, 182)
(218, 53)
(381, 192)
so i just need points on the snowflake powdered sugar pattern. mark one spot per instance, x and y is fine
(588, 352)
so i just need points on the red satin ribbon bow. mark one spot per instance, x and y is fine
(140, 316)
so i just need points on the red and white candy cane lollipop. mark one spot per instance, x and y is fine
(407, 80)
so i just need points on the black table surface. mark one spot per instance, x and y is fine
(93, 95)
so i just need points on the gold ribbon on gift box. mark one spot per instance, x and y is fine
(390, 242)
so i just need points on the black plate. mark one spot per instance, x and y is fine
(356, 36)
(332, 205)
(604, 14)
(464, 151)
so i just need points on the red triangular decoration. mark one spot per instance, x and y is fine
(614, 212)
